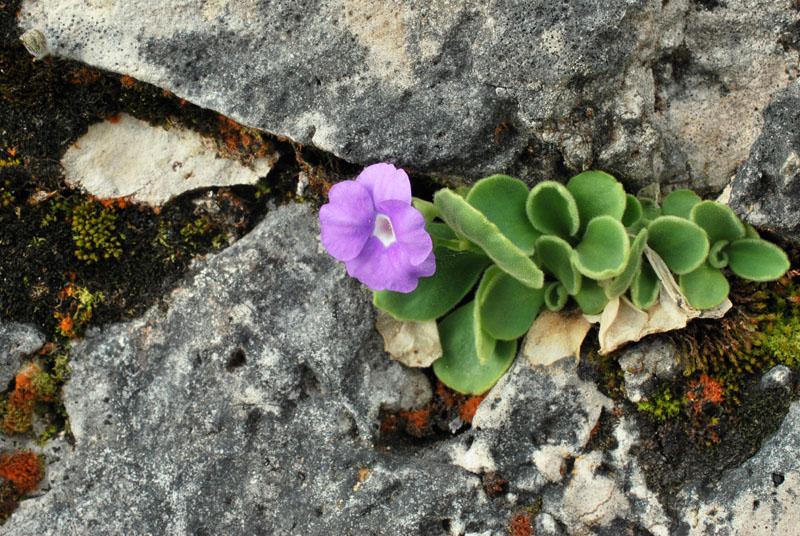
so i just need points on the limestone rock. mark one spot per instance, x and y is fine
(648, 90)
(16, 340)
(644, 363)
(151, 165)
(758, 498)
(766, 190)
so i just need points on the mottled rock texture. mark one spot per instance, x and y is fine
(766, 191)
(649, 90)
(16, 341)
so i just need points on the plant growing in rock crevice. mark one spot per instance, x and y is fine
(525, 250)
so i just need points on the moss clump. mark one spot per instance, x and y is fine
(32, 385)
(94, 232)
(663, 406)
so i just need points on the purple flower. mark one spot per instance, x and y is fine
(370, 224)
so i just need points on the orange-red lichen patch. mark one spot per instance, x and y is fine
(23, 468)
(521, 525)
(704, 390)
(127, 81)
(30, 386)
(114, 119)
(467, 409)
(417, 421)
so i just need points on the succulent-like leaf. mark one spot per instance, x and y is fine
(718, 221)
(597, 194)
(456, 273)
(502, 200)
(633, 211)
(459, 367)
(555, 256)
(552, 209)
(620, 284)
(717, 257)
(681, 243)
(604, 250)
(428, 209)
(555, 296)
(650, 209)
(756, 259)
(484, 342)
(591, 298)
(506, 307)
(704, 287)
(645, 286)
(680, 203)
(750, 231)
(470, 223)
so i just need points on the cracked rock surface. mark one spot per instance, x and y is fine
(249, 404)
(648, 90)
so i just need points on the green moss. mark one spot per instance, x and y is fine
(663, 406)
(94, 232)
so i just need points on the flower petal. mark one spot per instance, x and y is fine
(409, 229)
(347, 221)
(382, 268)
(385, 182)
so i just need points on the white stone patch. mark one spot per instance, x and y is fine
(551, 462)
(475, 459)
(151, 165)
(415, 344)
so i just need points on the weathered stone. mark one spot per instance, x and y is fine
(766, 190)
(644, 363)
(16, 341)
(758, 498)
(146, 164)
(778, 377)
(649, 90)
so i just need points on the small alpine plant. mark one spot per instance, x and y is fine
(587, 241)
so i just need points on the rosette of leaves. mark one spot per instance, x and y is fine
(505, 252)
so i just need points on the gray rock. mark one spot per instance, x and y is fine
(248, 406)
(644, 364)
(758, 498)
(766, 190)
(778, 377)
(649, 90)
(16, 341)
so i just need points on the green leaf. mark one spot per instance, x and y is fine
(468, 222)
(502, 200)
(459, 367)
(717, 257)
(597, 194)
(507, 308)
(750, 231)
(456, 273)
(484, 342)
(604, 250)
(621, 283)
(650, 209)
(756, 259)
(591, 298)
(552, 209)
(679, 203)
(645, 286)
(718, 221)
(428, 209)
(555, 296)
(705, 287)
(555, 255)
(681, 243)
(633, 211)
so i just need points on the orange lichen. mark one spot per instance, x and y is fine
(67, 326)
(31, 385)
(114, 119)
(704, 390)
(521, 525)
(127, 81)
(467, 409)
(417, 421)
(85, 76)
(23, 468)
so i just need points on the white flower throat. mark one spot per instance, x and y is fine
(383, 230)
